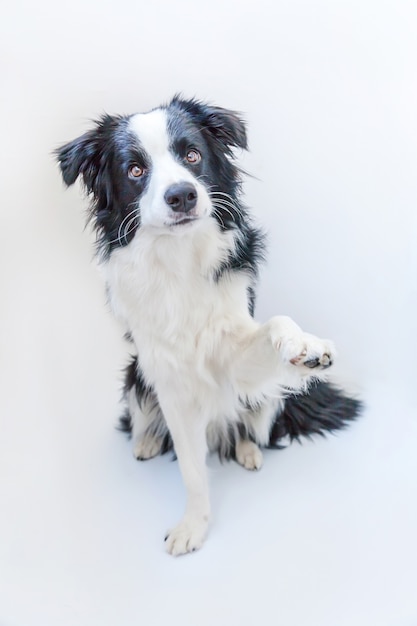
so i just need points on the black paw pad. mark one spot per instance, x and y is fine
(311, 363)
(324, 362)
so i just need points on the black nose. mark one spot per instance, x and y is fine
(181, 197)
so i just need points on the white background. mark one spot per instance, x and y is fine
(325, 534)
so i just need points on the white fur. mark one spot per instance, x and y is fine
(198, 346)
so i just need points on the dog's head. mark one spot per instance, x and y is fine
(165, 169)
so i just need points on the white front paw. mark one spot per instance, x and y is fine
(318, 354)
(188, 536)
(299, 348)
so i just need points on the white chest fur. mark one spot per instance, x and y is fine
(163, 287)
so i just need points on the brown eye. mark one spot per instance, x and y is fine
(135, 171)
(193, 156)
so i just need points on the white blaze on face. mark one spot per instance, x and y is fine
(151, 129)
(152, 132)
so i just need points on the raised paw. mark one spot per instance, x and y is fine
(299, 348)
(317, 354)
(147, 446)
(188, 536)
(248, 455)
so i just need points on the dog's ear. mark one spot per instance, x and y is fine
(225, 126)
(80, 157)
(87, 155)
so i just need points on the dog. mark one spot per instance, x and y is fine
(181, 256)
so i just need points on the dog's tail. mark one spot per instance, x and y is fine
(322, 409)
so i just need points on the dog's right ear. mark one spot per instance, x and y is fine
(80, 157)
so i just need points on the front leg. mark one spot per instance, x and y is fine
(188, 431)
(280, 353)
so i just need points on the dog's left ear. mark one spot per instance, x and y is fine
(226, 126)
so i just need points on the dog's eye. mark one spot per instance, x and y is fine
(193, 156)
(135, 171)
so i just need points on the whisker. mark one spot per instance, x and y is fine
(122, 223)
(220, 207)
(119, 232)
(207, 187)
(226, 197)
(226, 203)
(218, 215)
(203, 176)
(224, 206)
(222, 193)
(128, 229)
(195, 132)
(230, 203)
(126, 232)
(221, 203)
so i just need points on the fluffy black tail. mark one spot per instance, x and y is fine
(322, 409)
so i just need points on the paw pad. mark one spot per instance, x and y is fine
(325, 361)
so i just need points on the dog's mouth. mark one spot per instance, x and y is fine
(180, 220)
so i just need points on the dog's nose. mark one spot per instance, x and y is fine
(181, 197)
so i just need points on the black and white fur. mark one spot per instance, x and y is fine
(181, 258)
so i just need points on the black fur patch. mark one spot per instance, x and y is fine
(322, 409)
(133, 378)
(249, 253)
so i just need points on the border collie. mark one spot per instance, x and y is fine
(181, 257)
